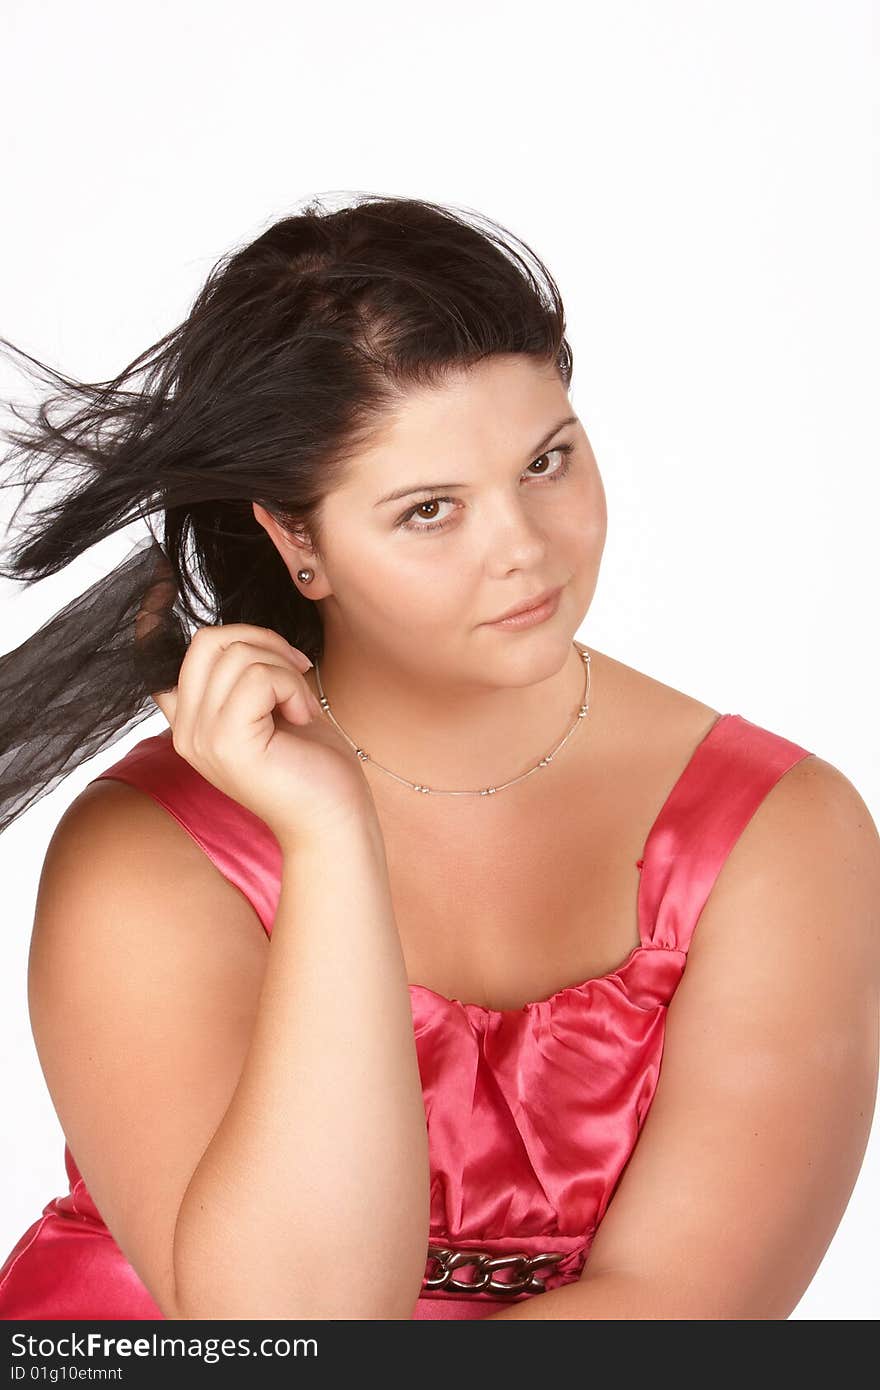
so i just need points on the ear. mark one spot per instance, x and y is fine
(292, 543)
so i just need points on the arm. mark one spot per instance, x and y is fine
(759, 1124)
(314, 1190)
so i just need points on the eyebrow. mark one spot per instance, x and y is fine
(435, 487)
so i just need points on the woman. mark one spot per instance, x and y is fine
(352, 988)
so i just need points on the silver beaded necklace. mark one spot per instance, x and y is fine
(485, 791)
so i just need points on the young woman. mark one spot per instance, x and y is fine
(372, 987)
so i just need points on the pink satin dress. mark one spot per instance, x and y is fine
(532, 1113)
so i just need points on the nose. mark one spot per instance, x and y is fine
(517, 541)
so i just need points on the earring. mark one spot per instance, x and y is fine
(305, 576)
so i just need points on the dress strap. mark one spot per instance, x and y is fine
(240, 845)
(723, 784)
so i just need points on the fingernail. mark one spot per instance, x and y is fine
(300, 655)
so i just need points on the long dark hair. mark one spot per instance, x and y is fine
(294, 352)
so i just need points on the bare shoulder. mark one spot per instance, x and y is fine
(802, 882)
(811, 844)
(144, 977)
(130, 830)
(762, 1112)
(641, 711)
(814, 795)
(137, 869)
(810, 855)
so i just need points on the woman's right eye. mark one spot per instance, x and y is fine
(427, 502)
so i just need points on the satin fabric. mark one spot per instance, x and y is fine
(532, 1113)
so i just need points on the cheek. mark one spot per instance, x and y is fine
(582, 522)
(438, 589)
(410, 587)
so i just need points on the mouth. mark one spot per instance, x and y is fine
(533, 610)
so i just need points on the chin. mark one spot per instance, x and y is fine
(540, 657)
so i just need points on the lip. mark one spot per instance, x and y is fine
(538, 609)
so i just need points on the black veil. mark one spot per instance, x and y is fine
(85, 678)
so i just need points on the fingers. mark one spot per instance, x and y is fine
(227, 670)
(260, 689)
(182, 706)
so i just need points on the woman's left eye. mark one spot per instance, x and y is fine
(560, 472)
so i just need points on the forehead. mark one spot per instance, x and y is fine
(498, 407)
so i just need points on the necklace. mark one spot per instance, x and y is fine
(485, 791)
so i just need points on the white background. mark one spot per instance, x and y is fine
(698, 178)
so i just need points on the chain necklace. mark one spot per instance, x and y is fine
(485, 791)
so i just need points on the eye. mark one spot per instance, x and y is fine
(564, 450)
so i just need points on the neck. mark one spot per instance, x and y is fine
(449, 735)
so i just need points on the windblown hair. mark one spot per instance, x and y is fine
(297, 349)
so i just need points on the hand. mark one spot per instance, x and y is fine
(242, 715)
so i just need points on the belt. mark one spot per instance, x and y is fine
(523, 1281)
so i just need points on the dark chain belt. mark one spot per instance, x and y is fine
(524, 1280)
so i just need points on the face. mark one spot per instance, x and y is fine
(502, 502)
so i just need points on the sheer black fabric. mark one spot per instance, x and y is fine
(85, 678)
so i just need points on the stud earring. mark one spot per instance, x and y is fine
(305, 576)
